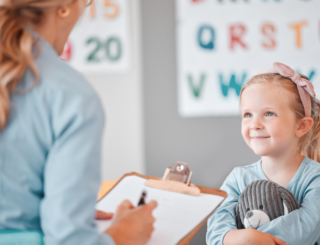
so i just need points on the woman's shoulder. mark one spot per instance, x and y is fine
(60, 86)
(57, 75)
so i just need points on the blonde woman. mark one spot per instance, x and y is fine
(51, 123)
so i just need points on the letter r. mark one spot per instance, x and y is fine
(236, 34)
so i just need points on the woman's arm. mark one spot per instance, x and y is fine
(72, 169)
(72, 178)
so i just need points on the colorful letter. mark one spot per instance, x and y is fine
(209, 44)
(196, 90)
(311, 74)
(268, 31)
(233, 83)
(236, 33)
(297, 28)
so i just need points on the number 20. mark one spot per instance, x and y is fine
(92, 57)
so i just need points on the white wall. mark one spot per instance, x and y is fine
(121, 96)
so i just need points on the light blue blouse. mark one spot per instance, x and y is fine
(50, 156)
(299, 227)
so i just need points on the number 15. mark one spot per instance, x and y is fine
(114, 7)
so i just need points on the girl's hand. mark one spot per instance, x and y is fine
(250, 237)
(103, 216)
(132, 225)
(262, 238)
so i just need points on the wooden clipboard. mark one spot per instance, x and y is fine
(205, 190)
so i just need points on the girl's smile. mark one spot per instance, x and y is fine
(259, 137)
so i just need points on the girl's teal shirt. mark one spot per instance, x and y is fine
(50, 154)
(300, 227)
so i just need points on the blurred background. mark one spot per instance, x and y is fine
(169, 73)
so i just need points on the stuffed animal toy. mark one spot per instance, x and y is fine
(261, 202)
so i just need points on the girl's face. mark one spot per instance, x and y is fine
(269, 125)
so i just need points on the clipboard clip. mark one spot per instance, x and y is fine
(176, 179)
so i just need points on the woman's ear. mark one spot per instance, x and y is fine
(64, 11)
(305, 125)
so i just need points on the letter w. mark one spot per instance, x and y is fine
(233, 83)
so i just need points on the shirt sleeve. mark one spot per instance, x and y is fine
(72, 169)
(224, 218)
(301, 226)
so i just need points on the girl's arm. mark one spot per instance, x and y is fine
(301, 226)
(223, 219)
(250, 237)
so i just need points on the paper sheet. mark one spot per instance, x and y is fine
(176, 214)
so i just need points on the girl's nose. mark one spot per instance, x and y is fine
(256, 125)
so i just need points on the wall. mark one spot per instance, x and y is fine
(121, 96)
(211, 146)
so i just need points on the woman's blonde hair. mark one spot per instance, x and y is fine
(16, 44)
(309, 144)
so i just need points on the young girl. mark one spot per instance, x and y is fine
(280, 123)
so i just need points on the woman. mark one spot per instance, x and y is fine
(51, 123)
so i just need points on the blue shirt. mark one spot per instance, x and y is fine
(50, 154)
(302, 226)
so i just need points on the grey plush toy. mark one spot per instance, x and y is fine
(261, 202)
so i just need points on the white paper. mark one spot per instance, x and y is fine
(176, 214)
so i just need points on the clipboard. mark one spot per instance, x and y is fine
(204, 190)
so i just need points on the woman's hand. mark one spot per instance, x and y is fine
(103, 216)
(132, 225)
(251, 237)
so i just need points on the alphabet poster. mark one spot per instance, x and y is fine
(99, 44)
(221, 44)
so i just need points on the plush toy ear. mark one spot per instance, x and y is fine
(238, 219)
(288, 199)
(285, 208)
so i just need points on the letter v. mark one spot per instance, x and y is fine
(196, 89)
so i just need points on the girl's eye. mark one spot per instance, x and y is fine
(270, 114)
(247, 115)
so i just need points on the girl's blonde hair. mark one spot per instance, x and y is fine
(309, 144)
(16, 44)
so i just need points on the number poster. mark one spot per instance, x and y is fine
(100, 41)
(223, 43)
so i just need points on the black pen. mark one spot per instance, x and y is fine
(142, 198)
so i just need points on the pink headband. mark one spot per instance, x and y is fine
(304, 86)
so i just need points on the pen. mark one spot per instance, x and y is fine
(142, 198)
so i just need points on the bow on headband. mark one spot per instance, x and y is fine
(304, 86)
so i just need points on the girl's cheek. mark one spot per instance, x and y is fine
(245, 130)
